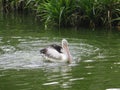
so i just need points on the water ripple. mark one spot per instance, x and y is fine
(25, 54)
(51, 83)
(113, 89)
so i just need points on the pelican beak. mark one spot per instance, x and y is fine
(65, 46)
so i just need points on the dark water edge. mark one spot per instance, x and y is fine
(96, 56)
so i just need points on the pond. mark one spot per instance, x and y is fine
(95, 65)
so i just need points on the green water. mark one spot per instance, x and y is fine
(96, 54)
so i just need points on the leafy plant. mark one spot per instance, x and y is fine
(57, 11)
(110, 10)
(64, 13)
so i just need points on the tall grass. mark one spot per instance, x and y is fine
(10, 5)
(78, 13)
(65, 13)
(56, 11)
(0, 5)
(98, 12)
(15, 5)
(110, 11)
(89, 12)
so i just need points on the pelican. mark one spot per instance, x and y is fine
(56, 53)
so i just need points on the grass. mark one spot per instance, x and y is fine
(56, 11)
(70, 13)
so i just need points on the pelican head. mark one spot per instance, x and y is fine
(64, 43)
(66, 50)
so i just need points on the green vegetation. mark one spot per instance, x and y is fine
(66, 13)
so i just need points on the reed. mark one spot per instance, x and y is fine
(98, 12)
(9, 6)
(110, 10)
(66, 13)
(91, 13)
(56, 11)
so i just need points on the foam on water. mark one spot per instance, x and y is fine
(26, 53)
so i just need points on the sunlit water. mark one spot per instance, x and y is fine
(95, 65)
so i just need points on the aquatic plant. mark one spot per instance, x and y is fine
(98, 12)
(57, 11)
(87, 12)
(18, 5)
(110, 10)
(13, 5)
(79, 12)
(66, 13)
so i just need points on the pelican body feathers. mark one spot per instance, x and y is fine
(57, 53)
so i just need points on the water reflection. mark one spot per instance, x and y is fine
(58, 75)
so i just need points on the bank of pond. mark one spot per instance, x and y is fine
(68, 13)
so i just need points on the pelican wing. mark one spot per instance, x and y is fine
(56, 47)
(53, 53)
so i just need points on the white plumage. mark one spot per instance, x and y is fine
(56, 53)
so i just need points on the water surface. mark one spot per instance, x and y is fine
(96, 54)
